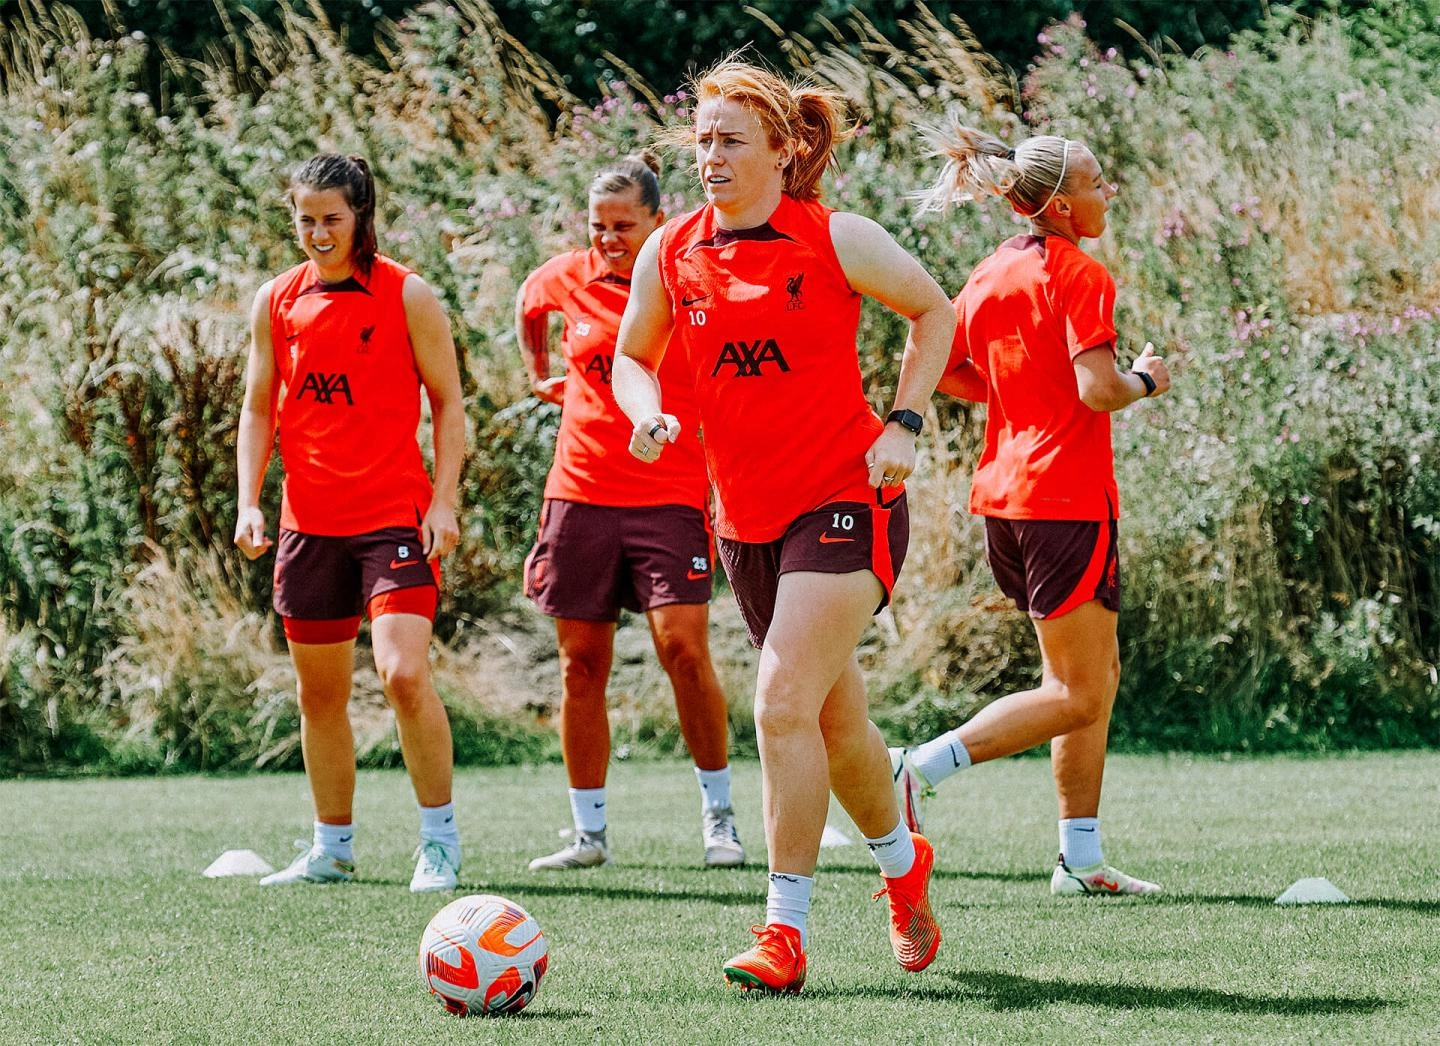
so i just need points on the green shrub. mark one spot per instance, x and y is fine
(1274, 236)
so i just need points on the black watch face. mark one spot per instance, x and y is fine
(909, 419)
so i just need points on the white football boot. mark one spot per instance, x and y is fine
(586, 850)
(722, 841)
(313, 865)
(911, 790)
(1101, 880)
(437, 867)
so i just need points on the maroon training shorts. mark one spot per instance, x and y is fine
(590, 561)
(839, 538)
(1051, 566)
(332, 578)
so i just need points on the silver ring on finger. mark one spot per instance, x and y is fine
(655, 428)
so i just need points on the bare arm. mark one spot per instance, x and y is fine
(644, 330)
(1104, 388)
(533, 335)
(877, 266)
(256, 437)
(964, 381)
(434, 348)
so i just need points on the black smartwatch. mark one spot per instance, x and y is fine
(1145, 380)
(908, 419)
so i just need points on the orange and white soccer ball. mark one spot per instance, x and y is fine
(483, 954)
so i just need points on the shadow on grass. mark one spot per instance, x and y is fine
(589, 887)
(870, 870)
(1008, 991)
(1390, 904)
(540, 1013)
(1168, 898)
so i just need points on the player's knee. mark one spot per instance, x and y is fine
(1087, 701)
(581, 670)
(681, 657)
(776, 717)
(406, 683)
(323, 703)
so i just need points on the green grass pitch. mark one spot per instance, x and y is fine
(111, 934)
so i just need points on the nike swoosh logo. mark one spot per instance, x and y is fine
(685, 303)
(826, 539)
(346, 838)
(396, 564)
(1084, 829)
(954, 758)
(690, 575)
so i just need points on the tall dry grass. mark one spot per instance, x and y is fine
(1275, 233)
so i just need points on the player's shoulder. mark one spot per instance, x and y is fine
(1067, 258)
(567, 267)
(690, 226)
(289, 282)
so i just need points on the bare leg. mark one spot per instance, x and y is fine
(401, 644)
(1077, 758)
(324, 674)
(811, 644)
(858, 756)
(1081, 672)
(587, 649)
(682, 643)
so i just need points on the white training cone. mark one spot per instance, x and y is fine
(1312, 891)
(238, 862)
(833, 838)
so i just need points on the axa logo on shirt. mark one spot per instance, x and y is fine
(602, 363)
(749, 357)
(325, 387)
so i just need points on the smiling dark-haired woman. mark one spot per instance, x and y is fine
(341, 347)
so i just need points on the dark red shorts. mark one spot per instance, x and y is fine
(590, 561)
(324, 584)
(1051, 566)
(839, 538)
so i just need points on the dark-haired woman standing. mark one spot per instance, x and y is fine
(340, 348)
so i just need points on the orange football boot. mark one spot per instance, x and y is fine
(775, 964)
(914, 933)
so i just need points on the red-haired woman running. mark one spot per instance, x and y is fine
(759, 292)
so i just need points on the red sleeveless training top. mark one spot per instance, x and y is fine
(593, 463)
(349, 402)
(766, 322)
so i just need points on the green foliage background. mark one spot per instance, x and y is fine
(1277, 234)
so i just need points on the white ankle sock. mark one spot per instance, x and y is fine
(940, 758)
(894, 852)
(437, 823)
(714, 787)
(1080, 842)
(337, 840)
(587, 806)
(788, 902)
